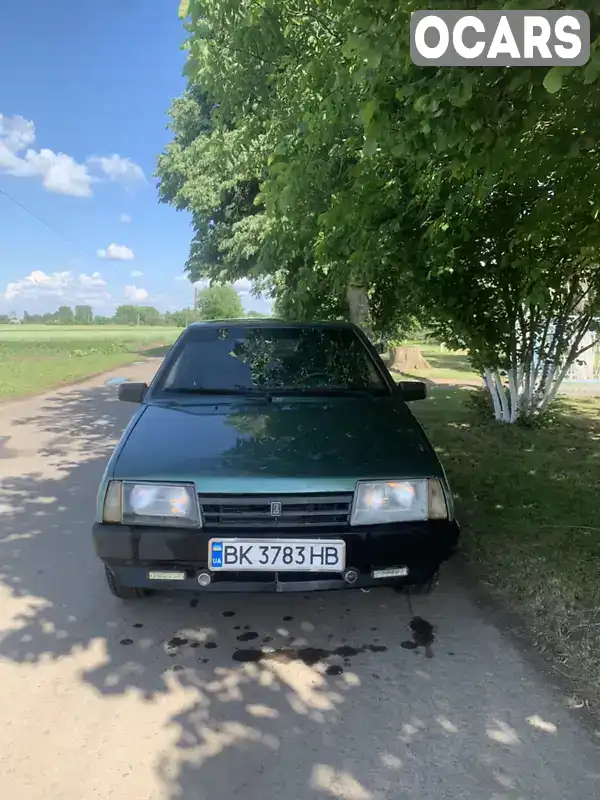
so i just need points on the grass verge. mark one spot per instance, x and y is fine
(28, 366)
(527, 500)
(444, 365)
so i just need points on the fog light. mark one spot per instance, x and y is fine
(204, 578)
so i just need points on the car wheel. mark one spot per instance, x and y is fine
(122, 592)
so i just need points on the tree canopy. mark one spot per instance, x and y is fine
(219, 302)
(317, 159)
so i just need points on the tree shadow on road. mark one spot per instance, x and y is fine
(341, 703)
(160, 351)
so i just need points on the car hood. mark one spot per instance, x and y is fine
(213, 445)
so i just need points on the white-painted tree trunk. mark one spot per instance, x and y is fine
(492, 387)
(525, 390)
(513, 394)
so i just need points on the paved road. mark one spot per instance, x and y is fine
(100, 699)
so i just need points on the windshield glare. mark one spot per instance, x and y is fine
(272, 360)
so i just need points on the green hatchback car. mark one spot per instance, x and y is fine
(272, 456)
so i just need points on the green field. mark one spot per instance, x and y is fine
(444, 365)
(37, 333)
(34, 358)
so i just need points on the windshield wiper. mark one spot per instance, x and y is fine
(268, 394)
(221, 392)
(323, 392)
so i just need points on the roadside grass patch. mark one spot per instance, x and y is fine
(527, 500)
(446, 365)
(129, 333)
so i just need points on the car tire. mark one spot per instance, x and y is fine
(122, 592)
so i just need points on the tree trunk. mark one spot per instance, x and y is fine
(530, 388)
(408, 359)
(358, 305)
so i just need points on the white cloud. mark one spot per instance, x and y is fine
(116, 252)
(243, 287)
(59, 287)
(119, 169)
(17, 133)
(165, 302)
(136, 273)
(124, 218)
(134, 294)
(58, 172)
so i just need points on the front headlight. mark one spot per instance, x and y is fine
(152, 504)
(377, 502)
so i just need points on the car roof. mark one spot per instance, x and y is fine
(268, 322)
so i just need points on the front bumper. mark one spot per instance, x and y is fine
(132, 551)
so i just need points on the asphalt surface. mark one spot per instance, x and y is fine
(154, 700)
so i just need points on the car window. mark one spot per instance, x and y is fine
(272, 359)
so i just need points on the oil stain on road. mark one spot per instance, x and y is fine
(422, 636)
(307, 655)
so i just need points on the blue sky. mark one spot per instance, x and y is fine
(84, 94)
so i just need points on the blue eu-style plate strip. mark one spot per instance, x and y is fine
(216, 554)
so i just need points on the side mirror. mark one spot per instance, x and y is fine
(412, 390)
(132, 392)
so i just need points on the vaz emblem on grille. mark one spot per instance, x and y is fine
(275, 509)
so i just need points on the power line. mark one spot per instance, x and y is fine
(43, 221)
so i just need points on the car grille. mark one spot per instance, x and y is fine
(327, 511)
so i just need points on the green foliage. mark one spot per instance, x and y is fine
(316, 156)
(83, 315)
(207, 171)
(65, 316)
(220, 302)
(183, 318)
(255, 315)
(137, 315)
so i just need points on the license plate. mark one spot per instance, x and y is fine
(277, 555)
(167, 576)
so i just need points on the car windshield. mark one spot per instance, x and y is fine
(270, 359)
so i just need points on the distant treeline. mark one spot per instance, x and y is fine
(124, 315)
(214, 302)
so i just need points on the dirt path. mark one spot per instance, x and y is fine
(153, 701)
